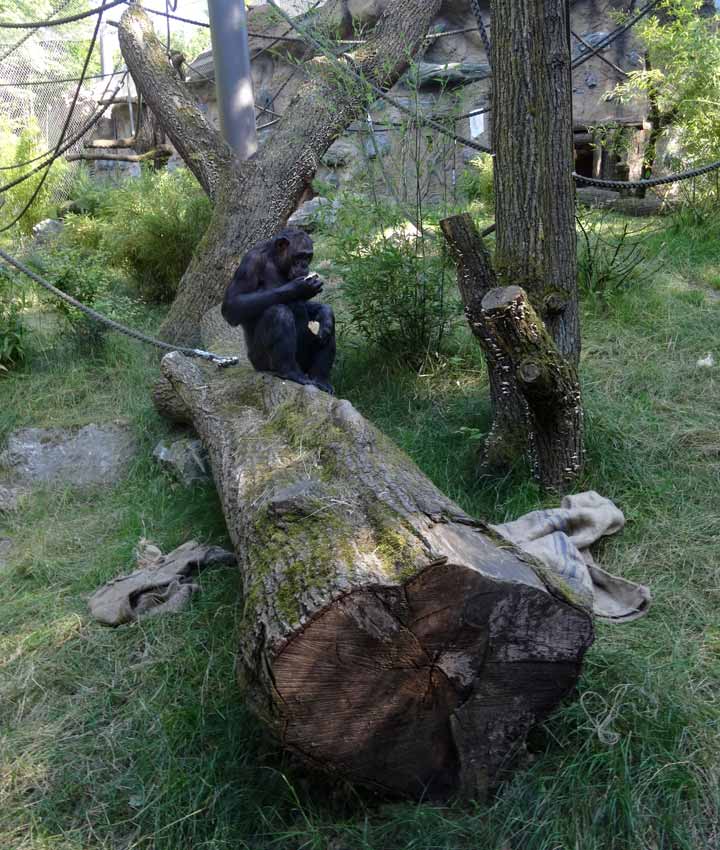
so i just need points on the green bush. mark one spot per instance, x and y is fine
(149, 226)
(21, 148)
(88, 277)
(393, 281)
(610, 258)
(13, 333)
(476, 182)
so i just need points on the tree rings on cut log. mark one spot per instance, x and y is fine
(388, 637)
(428, 689)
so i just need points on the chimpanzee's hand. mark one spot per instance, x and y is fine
(307, 287)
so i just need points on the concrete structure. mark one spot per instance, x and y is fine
(450, 81)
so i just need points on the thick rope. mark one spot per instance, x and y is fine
(218, 359)
(619, 185)
(56, 22)
(484, 37)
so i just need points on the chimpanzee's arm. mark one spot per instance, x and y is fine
(245, 300)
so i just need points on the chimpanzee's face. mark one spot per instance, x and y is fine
(294, 253)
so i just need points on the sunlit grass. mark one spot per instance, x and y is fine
(139, 737)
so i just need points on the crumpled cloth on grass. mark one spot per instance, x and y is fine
(560, 539)
(162, 584)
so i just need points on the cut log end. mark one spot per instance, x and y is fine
(428, 690)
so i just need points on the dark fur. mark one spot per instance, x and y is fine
(271, 299)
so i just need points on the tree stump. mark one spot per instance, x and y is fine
(388, 637)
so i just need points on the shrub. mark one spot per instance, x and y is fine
(149, 226)
(21, 148)
(13, 333)
(608, 260)
(394, 281)
(88, 277)
(476, 182)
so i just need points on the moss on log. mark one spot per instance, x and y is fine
(388, 637)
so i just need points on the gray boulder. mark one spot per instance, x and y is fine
(46, 229)
(9, 499)
(308, 215)
(81, 457)
(186, 459)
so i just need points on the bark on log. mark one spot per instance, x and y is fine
(162, 152)
(476, 277)
(254, 199)
(388, 637)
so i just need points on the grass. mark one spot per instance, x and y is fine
(139, 738)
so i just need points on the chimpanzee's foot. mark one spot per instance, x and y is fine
(325, 386)
(297, 377)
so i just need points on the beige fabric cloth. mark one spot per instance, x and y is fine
(162, 584)
(560, 538)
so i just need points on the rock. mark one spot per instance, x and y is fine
(47, 228)
(340, 154)
(5, 547)
(309, 214)
(378, 144)
(186, 459)
(95, 454)
(9, 499)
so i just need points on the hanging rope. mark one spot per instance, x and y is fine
(56, 22)
(64, 130)
(650, 182)
(218, 359)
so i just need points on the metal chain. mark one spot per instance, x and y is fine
(218, 359)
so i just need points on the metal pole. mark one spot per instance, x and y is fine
(233, 80)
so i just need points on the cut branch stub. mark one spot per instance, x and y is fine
(388, 637)
(522, 348)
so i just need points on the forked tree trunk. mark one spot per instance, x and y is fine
(537, 386)
(388, 637)
(535, 248)
(253, 199)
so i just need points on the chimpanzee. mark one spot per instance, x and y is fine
(270, 296)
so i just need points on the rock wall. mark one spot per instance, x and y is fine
(449, 81)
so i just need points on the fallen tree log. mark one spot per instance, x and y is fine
(388, 637)
(160, 152)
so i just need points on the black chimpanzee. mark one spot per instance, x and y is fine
(269, 296)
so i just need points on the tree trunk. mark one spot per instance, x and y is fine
(535, 219)
(533, 143)
(388, 637)
(537, 387)
(254, 199)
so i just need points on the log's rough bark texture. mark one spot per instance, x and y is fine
(388, 637)
(508, 436)
(519, 347)
(254, 199)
